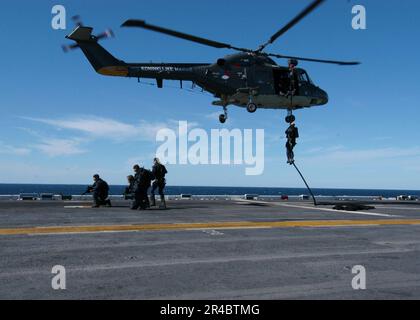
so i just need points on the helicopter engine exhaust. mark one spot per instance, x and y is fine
(221, 62)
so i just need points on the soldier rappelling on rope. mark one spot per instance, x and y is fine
(292, 133)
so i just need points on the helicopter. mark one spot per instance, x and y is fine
(249, 78)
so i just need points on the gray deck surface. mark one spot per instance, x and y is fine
(245, 262)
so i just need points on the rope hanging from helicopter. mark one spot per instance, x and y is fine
(306, 184)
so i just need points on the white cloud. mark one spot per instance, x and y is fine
(173, 124)
(60, 147)
(96, 127)
(323, 150)
(381, 138)
(213, 116)
(90, 128)
(11, 150)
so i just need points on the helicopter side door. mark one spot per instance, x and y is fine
(281, 81)
(261, 77)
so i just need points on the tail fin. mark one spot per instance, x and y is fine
(102, 61)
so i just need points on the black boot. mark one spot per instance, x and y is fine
(152, 201)
(162, 202)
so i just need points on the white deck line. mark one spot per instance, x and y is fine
(376, 214)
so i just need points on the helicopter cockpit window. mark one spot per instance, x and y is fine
(303, 77)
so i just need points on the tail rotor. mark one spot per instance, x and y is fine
(108, 33)
(67, 48)
(77, 20)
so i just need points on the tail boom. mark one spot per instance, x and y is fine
(106, 64)
(101, 60)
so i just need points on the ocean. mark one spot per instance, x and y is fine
(16, 189)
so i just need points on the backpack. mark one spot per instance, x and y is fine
(292, 133)
(162, 171)
(147, 177)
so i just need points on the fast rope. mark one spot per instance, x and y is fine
(307, 186)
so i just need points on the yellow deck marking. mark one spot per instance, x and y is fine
(211, 225)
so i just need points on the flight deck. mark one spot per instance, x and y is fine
(209, 249)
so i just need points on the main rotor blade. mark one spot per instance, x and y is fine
(341, 63)
(292, 23)
(177, 34)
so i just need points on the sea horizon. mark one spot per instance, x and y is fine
(75, 189)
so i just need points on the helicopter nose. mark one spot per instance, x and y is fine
(324, 97)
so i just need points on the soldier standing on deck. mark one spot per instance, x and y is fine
(143, 180)
(159, 172)
(129, 190)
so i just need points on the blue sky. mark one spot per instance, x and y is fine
(61, 122)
